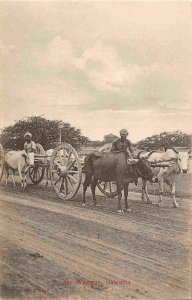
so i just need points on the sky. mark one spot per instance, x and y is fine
(99, 65)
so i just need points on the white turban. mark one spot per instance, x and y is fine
(124, 131)
(28, 134)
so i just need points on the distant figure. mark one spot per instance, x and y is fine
(123, 144)
(29, 145)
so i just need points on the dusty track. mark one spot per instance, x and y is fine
(45, 242)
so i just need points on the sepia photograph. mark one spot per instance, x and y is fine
(95, 150)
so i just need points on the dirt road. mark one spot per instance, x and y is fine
(63, 250)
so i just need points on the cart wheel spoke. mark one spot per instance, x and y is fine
(61, 187)
(69, 157)
(58, 179)
(66, 186)
(31, 172)
(73, 172)
(71, 165)
(110, 188)
(39, 172)
(69, 182)
(35, 174)
(62, 157)
(72, 178)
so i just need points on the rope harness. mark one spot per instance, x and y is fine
(142, 175)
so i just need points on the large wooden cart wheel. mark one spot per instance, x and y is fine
(109, 189)
(1, 161)
(36, 173)
(65, 171)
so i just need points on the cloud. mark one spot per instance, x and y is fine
(100, 63)
(100, 72)
(106, 70)
(60, 54)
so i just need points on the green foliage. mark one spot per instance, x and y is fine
(165, 140)
(44, 131)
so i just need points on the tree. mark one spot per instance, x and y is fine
(45, 132)
(165, 140)
(96, 143)
(109, 138)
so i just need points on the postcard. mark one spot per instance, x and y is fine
(95, 150)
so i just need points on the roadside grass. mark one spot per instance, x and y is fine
(183, 187)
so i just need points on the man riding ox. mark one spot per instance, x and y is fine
(113, 166)
(179, 162)
(20, 161)
(123, 144)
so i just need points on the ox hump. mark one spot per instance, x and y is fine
(14, 158)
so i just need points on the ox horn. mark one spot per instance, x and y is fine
(138, 155)
(175, 150)
(150, 154)
(189, 151)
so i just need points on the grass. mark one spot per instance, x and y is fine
(183, 187)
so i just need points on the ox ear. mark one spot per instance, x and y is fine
(23, 153)
(175, 150)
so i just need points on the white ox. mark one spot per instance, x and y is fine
(18, 161)
(179, 163)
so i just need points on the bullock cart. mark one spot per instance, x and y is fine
(63, 166)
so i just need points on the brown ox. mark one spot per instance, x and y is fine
(113, 167)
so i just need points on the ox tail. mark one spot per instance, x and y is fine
(88, 169)
(88, 180)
